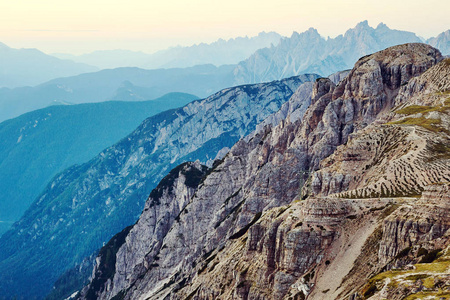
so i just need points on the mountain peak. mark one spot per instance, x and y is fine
(310, 33)
(382, 26)
(363, 24)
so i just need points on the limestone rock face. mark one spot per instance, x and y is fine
(414, 248)
(366, 93)
(246, 234)
(427, 89)
(426, 223)
(269, 260)
(338, 76)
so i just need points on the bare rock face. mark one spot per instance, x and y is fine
(323, 87)
(428, 89)
(426, 223)
(413, 250)
(138, 251)
(365, 94)
(268, 261)
(338, 76)
(389, 68)
(246, 234)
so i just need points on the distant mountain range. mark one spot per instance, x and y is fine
(221, 52)
(306, 52)
(128, 84)
(309, 52)
(38, 145)
(28, 67)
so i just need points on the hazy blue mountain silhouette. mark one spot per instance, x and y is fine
(38, 145)
(24, 67)
(220, 52)
(110, 84)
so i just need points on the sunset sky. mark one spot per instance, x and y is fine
(147, 25)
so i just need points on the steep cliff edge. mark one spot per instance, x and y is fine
(246, 233)
(140, 243)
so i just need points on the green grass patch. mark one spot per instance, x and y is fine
(435, 267)
(426, 295)
(416, 277)
(428, 282)
(413, 109)
(430, 124)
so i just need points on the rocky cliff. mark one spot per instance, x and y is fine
(84, 206)
(287, 213)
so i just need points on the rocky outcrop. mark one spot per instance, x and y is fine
(400, 157)
(338, 76)
(241, 236)
(366, 93)
(429, 89)
(425, 224)
(270, 259)
(413, 251)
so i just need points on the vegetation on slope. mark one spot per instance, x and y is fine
(423, 280)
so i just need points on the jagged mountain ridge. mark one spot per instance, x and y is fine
(38, 145)
(251, 241)
(220, 52)
(442, 42)
(310, 52)
(62, 226)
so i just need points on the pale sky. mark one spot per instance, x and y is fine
(82, 26)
